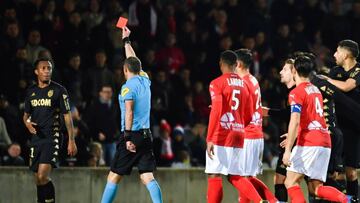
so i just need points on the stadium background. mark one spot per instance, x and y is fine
(178, 42)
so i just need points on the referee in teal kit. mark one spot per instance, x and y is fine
(135, 146)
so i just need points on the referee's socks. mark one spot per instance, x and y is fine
(155, 192)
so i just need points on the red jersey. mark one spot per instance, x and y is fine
(312, 129)
(228, 116)
(254, 129)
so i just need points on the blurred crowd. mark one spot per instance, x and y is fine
(178, 42)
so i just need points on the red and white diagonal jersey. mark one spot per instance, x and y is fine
(254, 129)
(229, 115)
(312, 130)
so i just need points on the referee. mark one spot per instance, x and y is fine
(45, 104)
(135, 146)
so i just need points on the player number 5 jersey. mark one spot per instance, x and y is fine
(228, 116)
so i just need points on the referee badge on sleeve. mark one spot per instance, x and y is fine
(124, 91)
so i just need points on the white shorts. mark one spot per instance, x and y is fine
(311, 161)
(252, 157)
(226, 160)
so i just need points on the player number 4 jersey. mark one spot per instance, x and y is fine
(312, 130)
(229, 115)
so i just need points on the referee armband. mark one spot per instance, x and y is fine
(296, 108)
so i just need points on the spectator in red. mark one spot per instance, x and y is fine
(163, 145)
(201, 102)
(170, 57)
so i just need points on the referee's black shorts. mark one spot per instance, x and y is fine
(143, 158)
(337, 142)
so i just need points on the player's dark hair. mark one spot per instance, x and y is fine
(303, 66)
(351, 46)
(311, 56)
(245, 56)
(133, 64)
(228, 57)
(36, 63)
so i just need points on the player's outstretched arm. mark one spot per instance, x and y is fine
(345, 86)
(349, 108)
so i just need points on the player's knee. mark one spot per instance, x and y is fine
(312, 190)
(279, 179)
(289, 182)
(146, 178)
(114, 178)
(42, 178)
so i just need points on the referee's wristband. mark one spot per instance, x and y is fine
(126, 40)
(127, 135)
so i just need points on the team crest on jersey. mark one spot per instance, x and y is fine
(125, 91)
(50, 93)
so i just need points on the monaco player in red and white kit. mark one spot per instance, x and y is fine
(251, 160)
(311, 153)
(228, 118)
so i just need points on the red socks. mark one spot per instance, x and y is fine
(215, 190)
(296, 194)
(260, 186)
(243, 199)
(331, 194)
(245, 188)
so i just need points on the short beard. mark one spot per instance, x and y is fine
(46, 81)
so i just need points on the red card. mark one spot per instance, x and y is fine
(121, 22)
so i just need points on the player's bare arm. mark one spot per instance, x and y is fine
(129, 116)
(345, 86)
(29, 124)
(72, 149)
(291, 136)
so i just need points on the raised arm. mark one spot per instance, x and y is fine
(129, 51)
